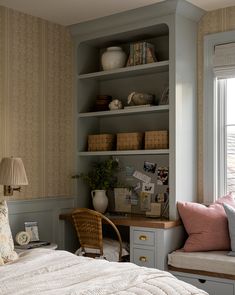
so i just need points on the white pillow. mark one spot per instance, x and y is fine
(110, 248)
(230, 211)
(7, 252)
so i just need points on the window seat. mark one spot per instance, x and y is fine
(213, 271)
(212, 263)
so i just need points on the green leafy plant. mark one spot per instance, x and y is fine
(102, 175)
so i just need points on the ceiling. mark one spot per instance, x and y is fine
(68, 12)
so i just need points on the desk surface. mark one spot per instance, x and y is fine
(133, 220)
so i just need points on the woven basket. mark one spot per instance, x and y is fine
(129, 141)
(156, 140)
(101, 142)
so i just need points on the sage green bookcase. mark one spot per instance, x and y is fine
(172, 27)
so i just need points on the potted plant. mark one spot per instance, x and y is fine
(100, 179)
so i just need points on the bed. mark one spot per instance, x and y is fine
(50, 272)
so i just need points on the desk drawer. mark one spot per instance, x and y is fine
(144, 257)
(142, 237)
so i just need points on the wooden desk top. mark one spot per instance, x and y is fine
(133, 220)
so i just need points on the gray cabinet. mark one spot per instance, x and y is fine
(150, 246)
(172, 27)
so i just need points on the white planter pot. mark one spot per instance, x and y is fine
(113, 58)
(99, 200)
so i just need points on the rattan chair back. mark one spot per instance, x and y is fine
(88, 225)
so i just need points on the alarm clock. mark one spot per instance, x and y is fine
(22, 238)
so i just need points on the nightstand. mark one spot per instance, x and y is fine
(20, 249)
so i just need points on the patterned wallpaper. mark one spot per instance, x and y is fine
(36, 98)
(36, 101)
(213, 22)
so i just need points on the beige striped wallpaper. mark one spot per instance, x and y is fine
(36, 101)
(213, 22)
(36, 98)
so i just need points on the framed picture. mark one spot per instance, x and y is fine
(122, 200)
(31, 228)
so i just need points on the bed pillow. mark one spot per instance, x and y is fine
(207, 227)
(7, 252)
(230, 211)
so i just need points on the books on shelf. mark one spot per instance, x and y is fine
(141, 53)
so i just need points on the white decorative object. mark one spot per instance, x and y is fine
(137, 98)
(113, 58)
(99, 200)
(115, 105)
(22, 238)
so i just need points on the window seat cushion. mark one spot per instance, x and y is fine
(213, 262)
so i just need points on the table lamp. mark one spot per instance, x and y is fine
(12, 173)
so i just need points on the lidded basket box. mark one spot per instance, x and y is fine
(129, 141)
(156, 140)
(101, 142)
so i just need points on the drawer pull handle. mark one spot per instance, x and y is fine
(143, 238)
(202, 281)
(143, 259)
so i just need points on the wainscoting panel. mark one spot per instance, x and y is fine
(46, 212)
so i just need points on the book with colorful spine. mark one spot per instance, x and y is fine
(141, 52)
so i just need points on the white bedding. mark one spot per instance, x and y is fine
(49, 272)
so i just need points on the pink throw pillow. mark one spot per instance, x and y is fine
(229, 199)
(207, 227)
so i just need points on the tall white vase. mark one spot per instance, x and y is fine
(113, 58)
(99, 200)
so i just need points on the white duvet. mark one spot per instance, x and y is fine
(49, 272)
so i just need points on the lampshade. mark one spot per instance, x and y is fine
(12, 172)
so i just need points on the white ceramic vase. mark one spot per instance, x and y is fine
(113, 58)
(99, 200)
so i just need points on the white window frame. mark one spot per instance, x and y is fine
(211, 141)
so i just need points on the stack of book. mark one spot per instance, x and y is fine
(102, 102)
(141, 53)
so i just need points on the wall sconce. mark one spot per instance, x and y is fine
(12, 173)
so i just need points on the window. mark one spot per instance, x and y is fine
(226, 134)
(219, 115)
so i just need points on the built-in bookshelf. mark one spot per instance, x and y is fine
(174, 43)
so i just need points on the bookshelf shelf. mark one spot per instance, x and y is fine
(161, 66)
(127, 152)
(125, 112)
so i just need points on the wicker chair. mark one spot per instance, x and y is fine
(88, 224)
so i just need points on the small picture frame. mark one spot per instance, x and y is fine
(31, 227)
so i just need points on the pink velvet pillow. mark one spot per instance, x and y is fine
(207, 227)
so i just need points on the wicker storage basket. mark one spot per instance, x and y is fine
(156, 140)
(129, 141)
(101, 142)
